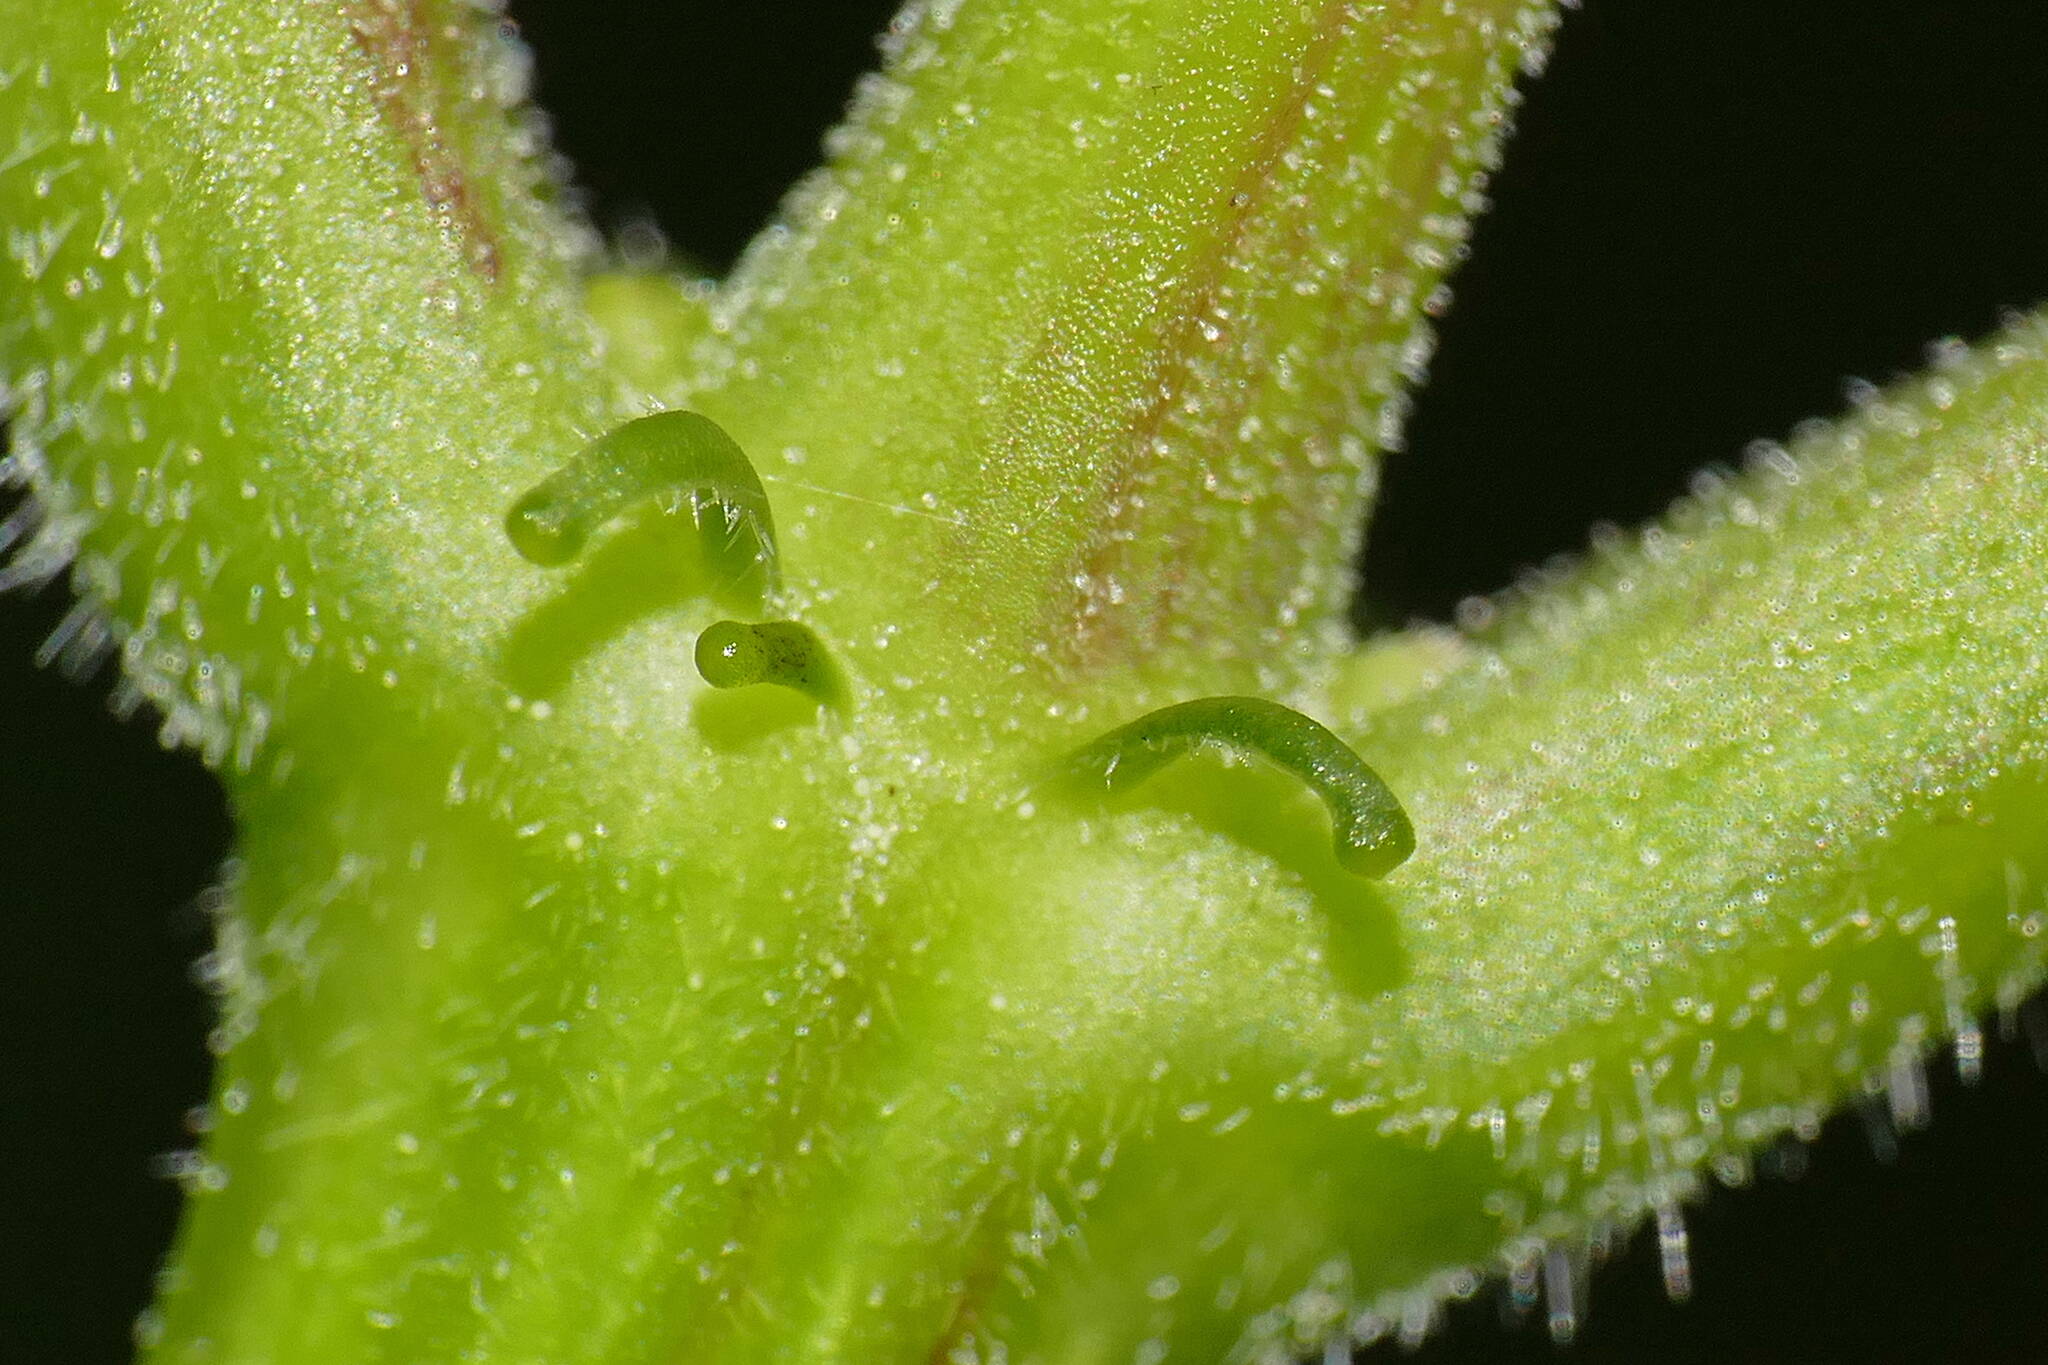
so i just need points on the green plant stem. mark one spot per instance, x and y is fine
(573, 1010)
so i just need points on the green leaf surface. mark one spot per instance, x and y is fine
(574, 1010)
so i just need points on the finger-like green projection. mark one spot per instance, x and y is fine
(1371, 831)
(680, 457)
(735, 654)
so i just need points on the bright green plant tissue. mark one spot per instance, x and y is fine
(573, 1010)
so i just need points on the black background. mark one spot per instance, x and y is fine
(1713, 214)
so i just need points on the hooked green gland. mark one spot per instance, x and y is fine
(1372, 835)
(677, 454)
(735, 654)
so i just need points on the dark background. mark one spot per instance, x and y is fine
(1713, 213)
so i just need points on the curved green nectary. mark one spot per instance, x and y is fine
(735, 654)
(1372, 833)
(681, 456)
